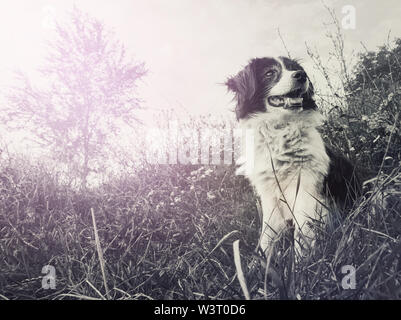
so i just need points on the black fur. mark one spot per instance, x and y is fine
(250, 87)
(342, 184)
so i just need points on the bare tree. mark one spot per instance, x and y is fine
(87, 88)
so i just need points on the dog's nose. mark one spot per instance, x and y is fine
(299, 75)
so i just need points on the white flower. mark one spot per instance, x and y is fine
(210, 195)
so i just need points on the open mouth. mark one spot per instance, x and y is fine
(294, 94)
(291, 100)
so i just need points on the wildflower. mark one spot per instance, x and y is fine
(210, 195)
(159, 205)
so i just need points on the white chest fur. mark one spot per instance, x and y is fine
(290, 163)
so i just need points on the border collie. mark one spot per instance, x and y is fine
(296, 175)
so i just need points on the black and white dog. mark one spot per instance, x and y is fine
(295, 174)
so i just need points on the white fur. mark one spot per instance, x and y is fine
(287, 147)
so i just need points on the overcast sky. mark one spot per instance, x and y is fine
(190, 46)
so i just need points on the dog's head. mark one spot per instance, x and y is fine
(271, 85)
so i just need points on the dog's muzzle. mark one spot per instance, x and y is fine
(285, 102)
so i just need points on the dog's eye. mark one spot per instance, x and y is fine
(270, 73)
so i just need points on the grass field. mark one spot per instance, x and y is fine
(167, 231)
(167, 234)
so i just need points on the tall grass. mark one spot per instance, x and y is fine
(167, 233)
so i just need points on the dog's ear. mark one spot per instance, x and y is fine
(244, 83)
(309, 101)
(244, 86)
(231, 84)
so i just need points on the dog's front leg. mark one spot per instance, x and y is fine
(273, 221)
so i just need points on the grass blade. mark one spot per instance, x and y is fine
(240, 274)
(100, 253)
